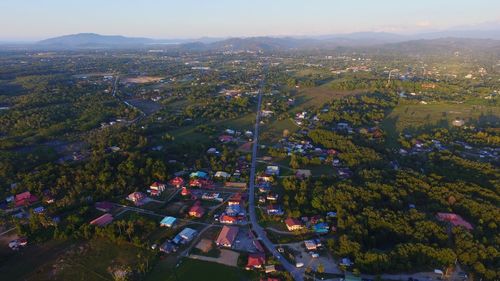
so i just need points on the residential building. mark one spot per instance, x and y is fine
(168, 221)
(227, 236)
(293, 224)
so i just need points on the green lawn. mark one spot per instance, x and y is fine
(319, 95)
(196, 270)
(25, 264)
(91, 261)
(412, 116)
(273, 131)
(244, 122)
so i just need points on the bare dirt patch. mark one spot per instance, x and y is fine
(226, 257)
(143, 79)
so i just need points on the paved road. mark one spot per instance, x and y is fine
(261, 235)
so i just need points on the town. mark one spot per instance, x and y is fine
(251, 163)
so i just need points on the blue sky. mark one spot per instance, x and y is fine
(37, 19)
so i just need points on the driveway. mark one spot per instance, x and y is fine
(304, 257)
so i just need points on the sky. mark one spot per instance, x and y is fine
(40, 19)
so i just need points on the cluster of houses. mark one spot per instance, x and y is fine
(230, 135)
(235, 211)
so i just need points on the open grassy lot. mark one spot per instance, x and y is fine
(189, 134)
(273, 131)
(415, 116)
(317, 96)
(26, 264)
(408, 115)
(244, 122)
(92, 260)
(196, 270)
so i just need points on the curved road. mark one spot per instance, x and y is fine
(261, 234)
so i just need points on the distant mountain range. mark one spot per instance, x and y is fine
(359, 39)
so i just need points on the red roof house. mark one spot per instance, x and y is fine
(177, 181)
(157, 186)
(228, 219)
(454, 219)
(293, 224)
(255, 261)
(185, 191)
(25, 199)
(225, 138)
(103, 220)
(137, 197)
(227, 236)
(196, 210)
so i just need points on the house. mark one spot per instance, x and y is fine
(458, 123)
(20, 242)
(168, 247)
(227, 236)
(222, 175)
(168, 221)
(302, 174)
(331, 214)
(293, 224)
(38, 210)
(272, 170)
(25, 199)
(264, 187)
(196, 210)
(104, 206)
(158, 187)
(225, 138)
(310, 245)
(212, 150)
(234, 210)
(235, 184)
(212, 196)
(186, 235)
(454, 219)
(270, 269)
(228, 219)
(137, 197)
(185, 191)
(255, 261)
(346, 262)
(272, 196)
(177, 182)
(102, 220)
(235, 199)
(264, 178)
(274, 210)
(321, 228)
(49, 199)
(199, 175)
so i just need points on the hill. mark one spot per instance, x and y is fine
(91, 40)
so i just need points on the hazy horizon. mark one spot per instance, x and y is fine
(32, 20)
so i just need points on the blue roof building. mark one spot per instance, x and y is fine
(321, 228)
(199, 174)
(168, 221)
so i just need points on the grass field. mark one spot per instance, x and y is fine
(91, 261)
(196, 270)
(273, 131)
(317, 96)
(26, 264)
(415, 117)
(244, 122)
